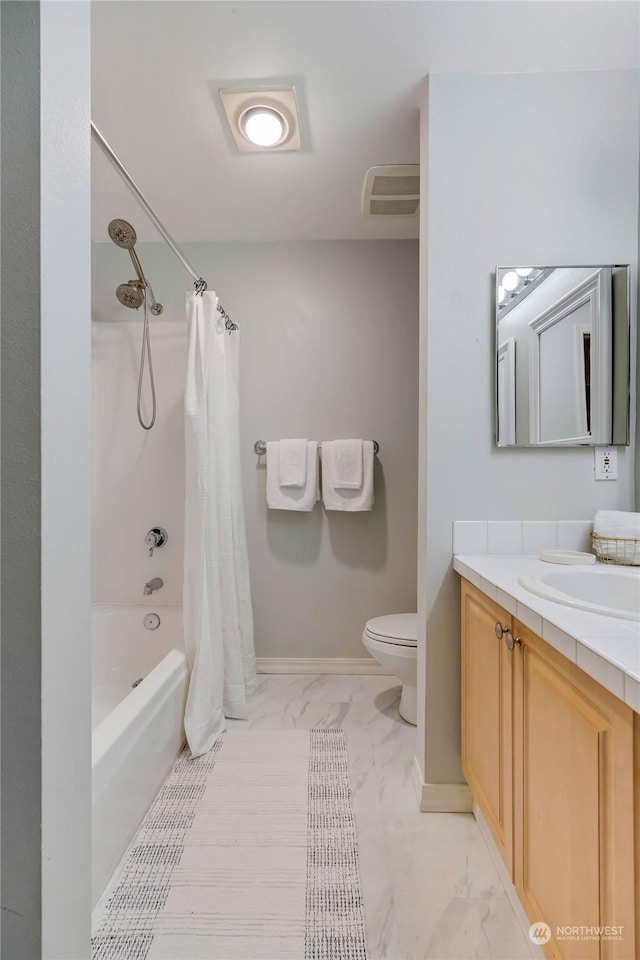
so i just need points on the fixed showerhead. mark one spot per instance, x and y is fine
(130, 294)
(122, 234)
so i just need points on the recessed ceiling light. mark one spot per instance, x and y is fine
(262, 120)
(264, 126)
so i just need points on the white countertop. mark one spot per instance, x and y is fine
(607, 648)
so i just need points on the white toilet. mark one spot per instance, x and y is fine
(393, 641)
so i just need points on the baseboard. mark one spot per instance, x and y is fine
(523, 921)
(440, 797)
(320, 665)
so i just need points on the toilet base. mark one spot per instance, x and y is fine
(408, 708)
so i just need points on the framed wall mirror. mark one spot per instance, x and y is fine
(562, 356)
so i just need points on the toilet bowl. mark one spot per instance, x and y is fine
(393, 641)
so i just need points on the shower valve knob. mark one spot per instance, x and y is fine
(157, 537)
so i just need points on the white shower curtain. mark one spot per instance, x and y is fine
(218, 621)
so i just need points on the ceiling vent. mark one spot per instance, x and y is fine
(392, 191)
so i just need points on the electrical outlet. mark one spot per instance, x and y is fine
(606, 463)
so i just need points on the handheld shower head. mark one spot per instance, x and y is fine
(122, 234)
(130, 294)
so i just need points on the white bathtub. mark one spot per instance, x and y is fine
(137, 731)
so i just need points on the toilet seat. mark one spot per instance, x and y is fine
(396, 629)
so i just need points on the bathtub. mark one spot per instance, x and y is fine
(137, 726)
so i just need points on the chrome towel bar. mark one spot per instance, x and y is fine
(260, 447)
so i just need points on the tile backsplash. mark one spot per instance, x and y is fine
(520, 536)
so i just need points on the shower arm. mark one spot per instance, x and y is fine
(199, 283)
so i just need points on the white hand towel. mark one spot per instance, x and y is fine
(292, 463)
(341, 499)
(617, 523)
(292, 498)
(348, 464)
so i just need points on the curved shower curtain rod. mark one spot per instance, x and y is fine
(199, 283)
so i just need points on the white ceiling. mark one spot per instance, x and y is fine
(358, 67)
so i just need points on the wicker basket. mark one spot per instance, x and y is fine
(616, 550)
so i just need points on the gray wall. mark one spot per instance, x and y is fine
(329, 349)
(20, 716)
(65, 350)
(637, 323)
(44, 482)
(525, 168)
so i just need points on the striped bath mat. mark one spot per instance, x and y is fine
(247, 852)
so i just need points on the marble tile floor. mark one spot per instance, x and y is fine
(431, 890)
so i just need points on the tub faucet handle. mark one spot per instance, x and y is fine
(157, 537)
(152, 585)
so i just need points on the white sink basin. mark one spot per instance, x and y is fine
(613, 592)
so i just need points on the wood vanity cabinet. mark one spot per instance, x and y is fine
(571, 792)
(487, 667)
(573, 801)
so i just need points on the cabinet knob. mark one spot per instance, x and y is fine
(510, 640)
(499, 630)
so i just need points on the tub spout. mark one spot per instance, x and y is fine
(152, 585)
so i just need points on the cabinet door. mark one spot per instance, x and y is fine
(487, 714)
(573, 804)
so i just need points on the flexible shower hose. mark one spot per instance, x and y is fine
(146, 349)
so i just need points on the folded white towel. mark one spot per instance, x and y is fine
(341, 499)
(347, 461)
(617, 523)
(292, 463)
(292, 498)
